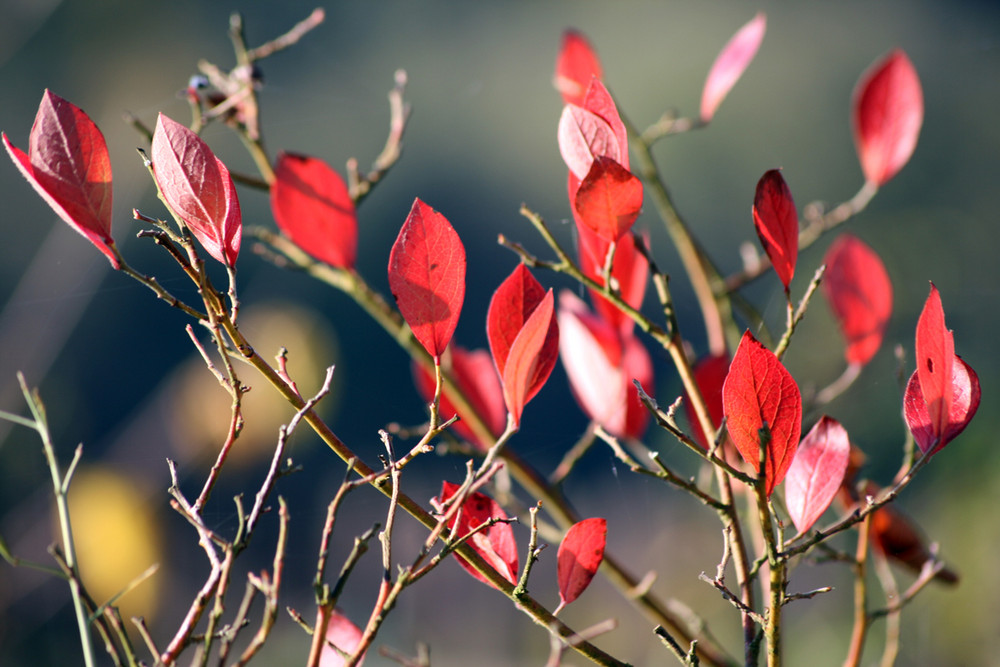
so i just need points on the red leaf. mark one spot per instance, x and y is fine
(730, 64)
(935, 356)
(816, 472)
(495, 544)
(965, 396)
(68, 165)
(198, 189)
(630, 269)
(580, 554)
(857, 287)
(777, 223)
(887, 112)
(511, 306)
(609, 199)
(576, 64)
(477, 379)
(636, 365)
(709, 374)
(344, 635)
(759, 390)
(531, 358)
(427, 276)
(583, 137)
(599, 101)
(312, 206)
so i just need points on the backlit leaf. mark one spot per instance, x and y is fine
(584, 136)
(709, 374)
(609, 199)
(887, 112)
(730, 64)
(935, 356)
(758, 391)
(964, 402)
(816, 472)
(857, 287)
(599, 101)
(531, 358)
(67, 164)
(198, 189)
(427, 276)
(630, 270)
(495, 544)
(580, 554)
(312, 206)
(576, 64)
(343, 634)
(777, 224)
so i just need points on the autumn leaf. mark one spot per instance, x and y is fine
(530, 359)
(777, 224)
(494, 544)
(576, 64)
(427, 276)
(816, 472)
(344, 635)
(609, 199)
(759, 391)
(965, 397)
(580, 554)
(730, 64)
(710, 375)
(583, 137)
(630, 271)
(312, 206)
(887, 112)
(67, 163)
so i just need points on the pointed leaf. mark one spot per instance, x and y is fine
(935, 356)
(580, 554)
(630, 270)
(730, 64)
(512, 304)
(709, 374)
(477, 380)
(523, 371)
(198, 188)
(857, 287)
(312, 206)
(759, 390)
(887, 112)
(609, 199)
(599, 101)
(965, 397)
(777, 224)
(495, 544)
(427, 276)
(343, 634)
(68, 165)
(816, 472)
(583, 137)
(576, 64)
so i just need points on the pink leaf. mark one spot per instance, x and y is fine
(312, 206)
(599, 101)
(816, 472)
(576, 64)
(531, 358)
(857, 287)
(758, 391)
(887, 112)
(730, 64)
(198, 189)
(609, 199)
(427, 276)
(68, 165)
(777, 224)
(630, 269)
(580, 554)
(584, 136)
(494, 544)
(965, 397)
(344, 635)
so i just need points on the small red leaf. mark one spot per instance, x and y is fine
(887, 112)
(609, 199)
(857, 287)
(312, 206)
(935, 355)
(67, 164)
(599, 101)
(477, 380)
(965, 396)
(198, 189)
(777, 224)
(343, 634)
(583, 137)
(758, 391)
(709, 374)
(576, 64)
(630, 270)
(495, 544)
(816, 472)
(531, 358)
(427, 276)
(580, 554)
(730, 64)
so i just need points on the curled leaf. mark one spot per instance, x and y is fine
(530, 359)
(312, 206)
(580, 554)
(730, 64)
(816, 472)
(67, 164)
(964, 402)
(760, 391)
(427, 276)
(198, 189)
(609, 199)
(494, 544)
(858, 289)
(576, 65)
(777, 224)
(887, 112)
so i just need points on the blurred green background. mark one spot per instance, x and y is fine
(118, 372)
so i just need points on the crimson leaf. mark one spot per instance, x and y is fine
(580, 554)
(777, 223)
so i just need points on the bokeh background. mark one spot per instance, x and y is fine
(119, 374)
